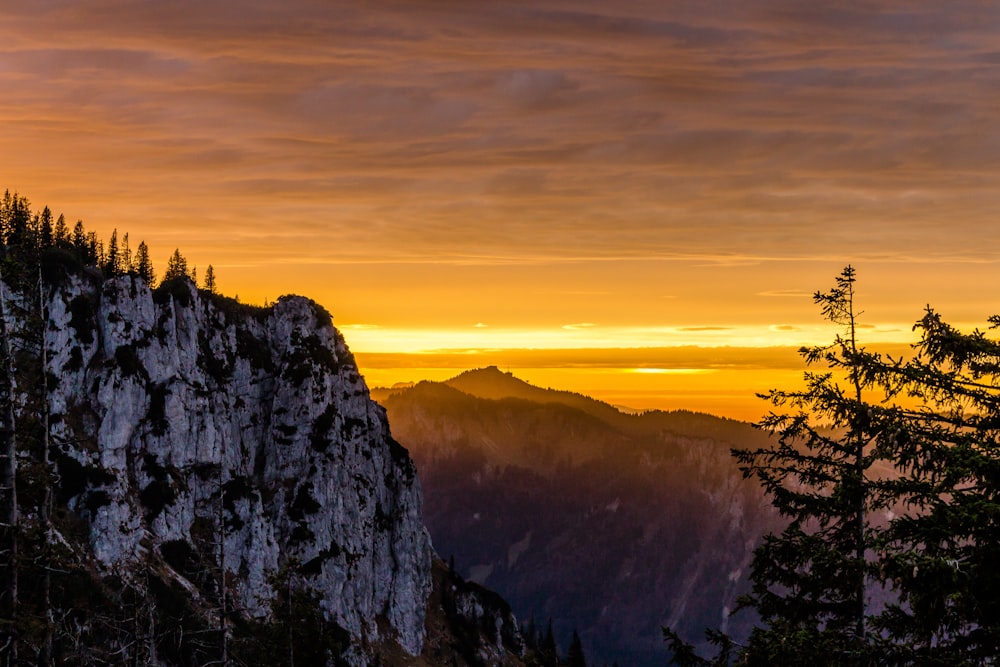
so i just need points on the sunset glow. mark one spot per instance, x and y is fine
(632, 200)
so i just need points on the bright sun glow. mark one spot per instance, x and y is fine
(670, 371)
(372, 338)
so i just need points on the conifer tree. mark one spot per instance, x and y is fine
(941, 553)
(94, 253)
(932, 420)
(21, 245)
(6, 204)
(548, 651)
(46, 507)
(125, 252)
(9, 514)
(143, 264)
(60, 233)
(210, 279)
(45, 229)
(575, 656)
(79, 240)
(112, 263)
(529, 632)
(809, 582)
(176, 267)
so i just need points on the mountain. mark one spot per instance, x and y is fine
(607, 523)
(201, 481)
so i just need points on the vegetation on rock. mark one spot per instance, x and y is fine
(166, 497)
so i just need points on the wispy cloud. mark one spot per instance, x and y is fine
(776, 127)
(793, 294)
(686, 357)
(402, 159)
(696, 329)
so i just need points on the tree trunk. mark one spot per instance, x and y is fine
(859, 471)
(223, 631)
(46, 511)
(8, 487)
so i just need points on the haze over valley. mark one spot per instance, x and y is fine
(606, 523)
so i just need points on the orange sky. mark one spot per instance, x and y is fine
(583, 176)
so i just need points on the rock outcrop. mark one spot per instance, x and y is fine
(185, 421)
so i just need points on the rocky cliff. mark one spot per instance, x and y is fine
(226, 452)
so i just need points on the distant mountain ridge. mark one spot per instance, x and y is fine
(609, 523)
(492, 383)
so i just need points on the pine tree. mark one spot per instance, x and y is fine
(46, 237)
(210, 279)
(548, 651)
(9, 514)
(941, 552)
(20, 241)
(94, 254)
(28, 530)
(6, 204)
(112, 263)
(143, 264)
(176, 267)
(934, 421)
(45, 510)
(575, 657)
(126, 255)
(529, 632)
(79, 240)
(61, 234)
(220, 536)
(809, 583)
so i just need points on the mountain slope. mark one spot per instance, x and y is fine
(610, 524)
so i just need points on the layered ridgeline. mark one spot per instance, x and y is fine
(608, 523)
(200, 481)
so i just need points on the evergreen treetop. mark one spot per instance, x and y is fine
(933, 422)
(176, 267)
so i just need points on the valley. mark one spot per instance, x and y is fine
(607, 523)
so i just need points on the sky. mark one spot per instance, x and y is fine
(631, 199)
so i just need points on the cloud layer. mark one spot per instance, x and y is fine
(585, 145)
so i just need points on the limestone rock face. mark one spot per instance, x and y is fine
(188, 421)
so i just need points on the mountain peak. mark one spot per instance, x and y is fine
(486, 372)
(491, 382)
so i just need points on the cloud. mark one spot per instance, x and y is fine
(705, 329)
(687, 357)
(784, 294)
(729, 137)
(536, 90)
